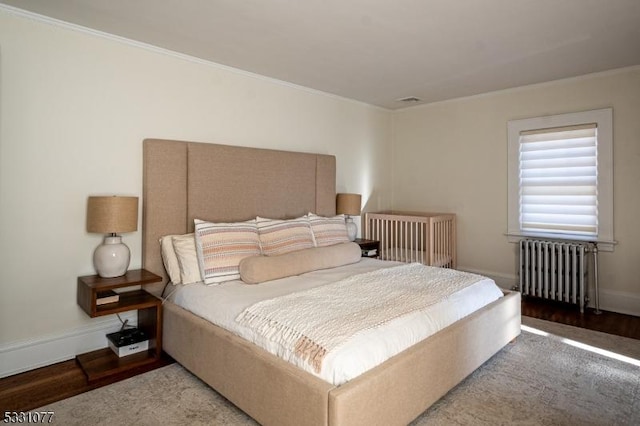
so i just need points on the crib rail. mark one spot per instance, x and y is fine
(428, 238)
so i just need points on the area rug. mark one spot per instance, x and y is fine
(543, 378)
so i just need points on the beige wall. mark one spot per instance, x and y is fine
(452, 156)
(75, 106)
(74, 110)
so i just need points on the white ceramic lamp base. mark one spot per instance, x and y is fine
(111, 258)
(352, 229)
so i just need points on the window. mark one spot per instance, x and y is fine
(558, 181)
(560, 177)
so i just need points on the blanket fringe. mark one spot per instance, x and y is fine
(304, 348)
(310, 352)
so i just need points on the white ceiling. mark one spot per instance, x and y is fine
(378, 51)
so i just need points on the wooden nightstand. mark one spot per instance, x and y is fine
(367, 246)
(103, 362)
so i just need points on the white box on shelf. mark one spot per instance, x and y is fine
(131, 349)
(128, 342)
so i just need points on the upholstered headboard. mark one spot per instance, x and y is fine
(187, 180)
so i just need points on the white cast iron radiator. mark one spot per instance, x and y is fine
(556, 270)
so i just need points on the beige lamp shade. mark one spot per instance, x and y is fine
(348, 204)
(112, 215)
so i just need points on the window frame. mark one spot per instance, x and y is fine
(603, 118)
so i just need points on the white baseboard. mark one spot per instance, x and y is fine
(610, 300)
(18, 357)
(618, 301)
(504, 281)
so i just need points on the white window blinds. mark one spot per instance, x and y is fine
(559, 180)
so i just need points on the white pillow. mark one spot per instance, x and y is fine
(170, 259)
(185, 248)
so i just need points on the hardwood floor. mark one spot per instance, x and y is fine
(36, 388)
(606, 322)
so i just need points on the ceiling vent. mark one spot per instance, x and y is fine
(409, 100)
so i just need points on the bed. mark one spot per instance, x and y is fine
(186, 180)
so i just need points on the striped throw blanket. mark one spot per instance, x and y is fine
(313, 322)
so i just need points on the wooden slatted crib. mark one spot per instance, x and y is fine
(427, 238)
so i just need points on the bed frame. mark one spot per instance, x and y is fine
(185, 180)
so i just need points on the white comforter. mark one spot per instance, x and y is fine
(223, 303)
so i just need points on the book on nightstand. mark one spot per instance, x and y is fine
(108, 296)
(370, 253)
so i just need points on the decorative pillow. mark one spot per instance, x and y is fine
(284, 236)
(221, 247)
(185, 249)
(169, 259)
(328, 230)
(258, 269)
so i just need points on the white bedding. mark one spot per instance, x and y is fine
(221, 304)
(409, 255)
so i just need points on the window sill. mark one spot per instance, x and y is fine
(603, 245)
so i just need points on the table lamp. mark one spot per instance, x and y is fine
(349, 205)
(112, 215)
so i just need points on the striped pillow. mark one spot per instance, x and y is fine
(221, 247)
(328, 231)
(284, 236)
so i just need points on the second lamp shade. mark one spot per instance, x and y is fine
(348, 204)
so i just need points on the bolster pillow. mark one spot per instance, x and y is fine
(257, 269)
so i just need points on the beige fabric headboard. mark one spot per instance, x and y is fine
(187, 180)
